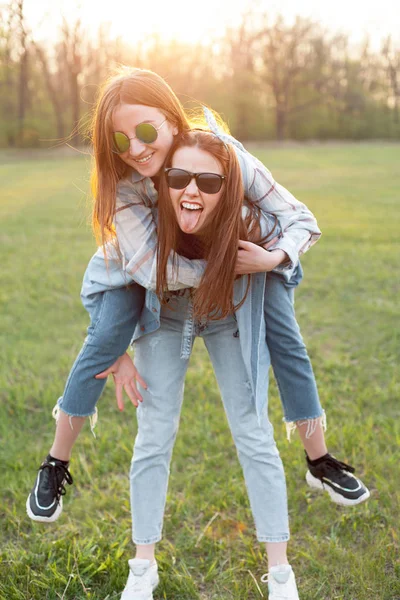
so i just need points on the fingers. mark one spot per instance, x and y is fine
(119, 395)
(127, 383)
(244, 245)
(140, 380)
(104, 374)
(135, 389)
(132, 393)
(239, 267)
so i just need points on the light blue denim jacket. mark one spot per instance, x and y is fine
(136, 219)
(250, 318)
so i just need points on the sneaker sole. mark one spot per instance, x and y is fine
(151, 597)
(154, 585)
(41, 519)
(317, 484)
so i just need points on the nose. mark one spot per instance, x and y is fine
(192, 188)
(136, 147)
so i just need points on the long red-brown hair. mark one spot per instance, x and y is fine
(220, 240)
(127, 86)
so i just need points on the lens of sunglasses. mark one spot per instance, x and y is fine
(177, 179)
(209, 183)
(121, 142)
(145, 132)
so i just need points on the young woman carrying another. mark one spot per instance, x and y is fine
(200, 216)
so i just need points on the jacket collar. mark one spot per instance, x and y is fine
(136, 177)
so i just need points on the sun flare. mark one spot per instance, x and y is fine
(207, 21)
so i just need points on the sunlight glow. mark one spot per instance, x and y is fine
(205, 21)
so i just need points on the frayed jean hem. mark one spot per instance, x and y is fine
(311, 422)
(71, 414)
(295, 420)
(92, 416)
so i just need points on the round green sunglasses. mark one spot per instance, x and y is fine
(145, 132)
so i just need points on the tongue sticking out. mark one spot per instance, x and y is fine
(189, 219)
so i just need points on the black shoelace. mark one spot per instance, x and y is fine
(333, 465)
(58, 475)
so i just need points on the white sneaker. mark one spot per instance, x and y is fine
(142, 580)
(281, 583)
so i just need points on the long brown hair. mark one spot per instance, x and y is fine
(127, 86)
(214, 296)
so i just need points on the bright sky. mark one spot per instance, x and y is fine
(183, 20)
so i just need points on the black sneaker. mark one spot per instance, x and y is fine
(44, 503)
(336, 478)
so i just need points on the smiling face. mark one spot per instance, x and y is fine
(147, 159)
(194, 208)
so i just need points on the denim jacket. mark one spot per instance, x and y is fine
(250, 318)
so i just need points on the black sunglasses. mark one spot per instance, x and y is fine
(209, 183)
(145, 132)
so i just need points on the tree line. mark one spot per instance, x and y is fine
(268, 79)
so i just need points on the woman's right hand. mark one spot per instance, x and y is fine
(125, 377)
(252, 258)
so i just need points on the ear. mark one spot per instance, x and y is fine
(175, 130)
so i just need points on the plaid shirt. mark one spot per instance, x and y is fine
(136, 217)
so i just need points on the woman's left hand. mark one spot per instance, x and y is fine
(254, 259)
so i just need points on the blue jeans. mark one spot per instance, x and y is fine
(289, 358)
(114, 317)
(113, 320)
(158, 421)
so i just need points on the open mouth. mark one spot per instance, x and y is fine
(189, 215)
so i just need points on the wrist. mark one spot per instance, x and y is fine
(278, 257)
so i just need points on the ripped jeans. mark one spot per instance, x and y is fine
(158, 422)
(289, 358)
(114, 315)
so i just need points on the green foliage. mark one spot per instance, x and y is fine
(348, 311)
(268, 79)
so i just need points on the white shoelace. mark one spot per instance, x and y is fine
(141, 578)
(281, 591)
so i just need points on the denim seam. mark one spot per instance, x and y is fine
(152, 540)
(100, 314)
(84, 347)
(279, 387)
(273, 538)
(187, 332)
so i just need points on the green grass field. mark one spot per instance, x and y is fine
(349, 313)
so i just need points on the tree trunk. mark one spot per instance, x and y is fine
(23, 75)
(9, 105)
(280, 123)
(54, 97)
(395, 88)
(75, 102)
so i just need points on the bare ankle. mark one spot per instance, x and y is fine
(146, 552)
